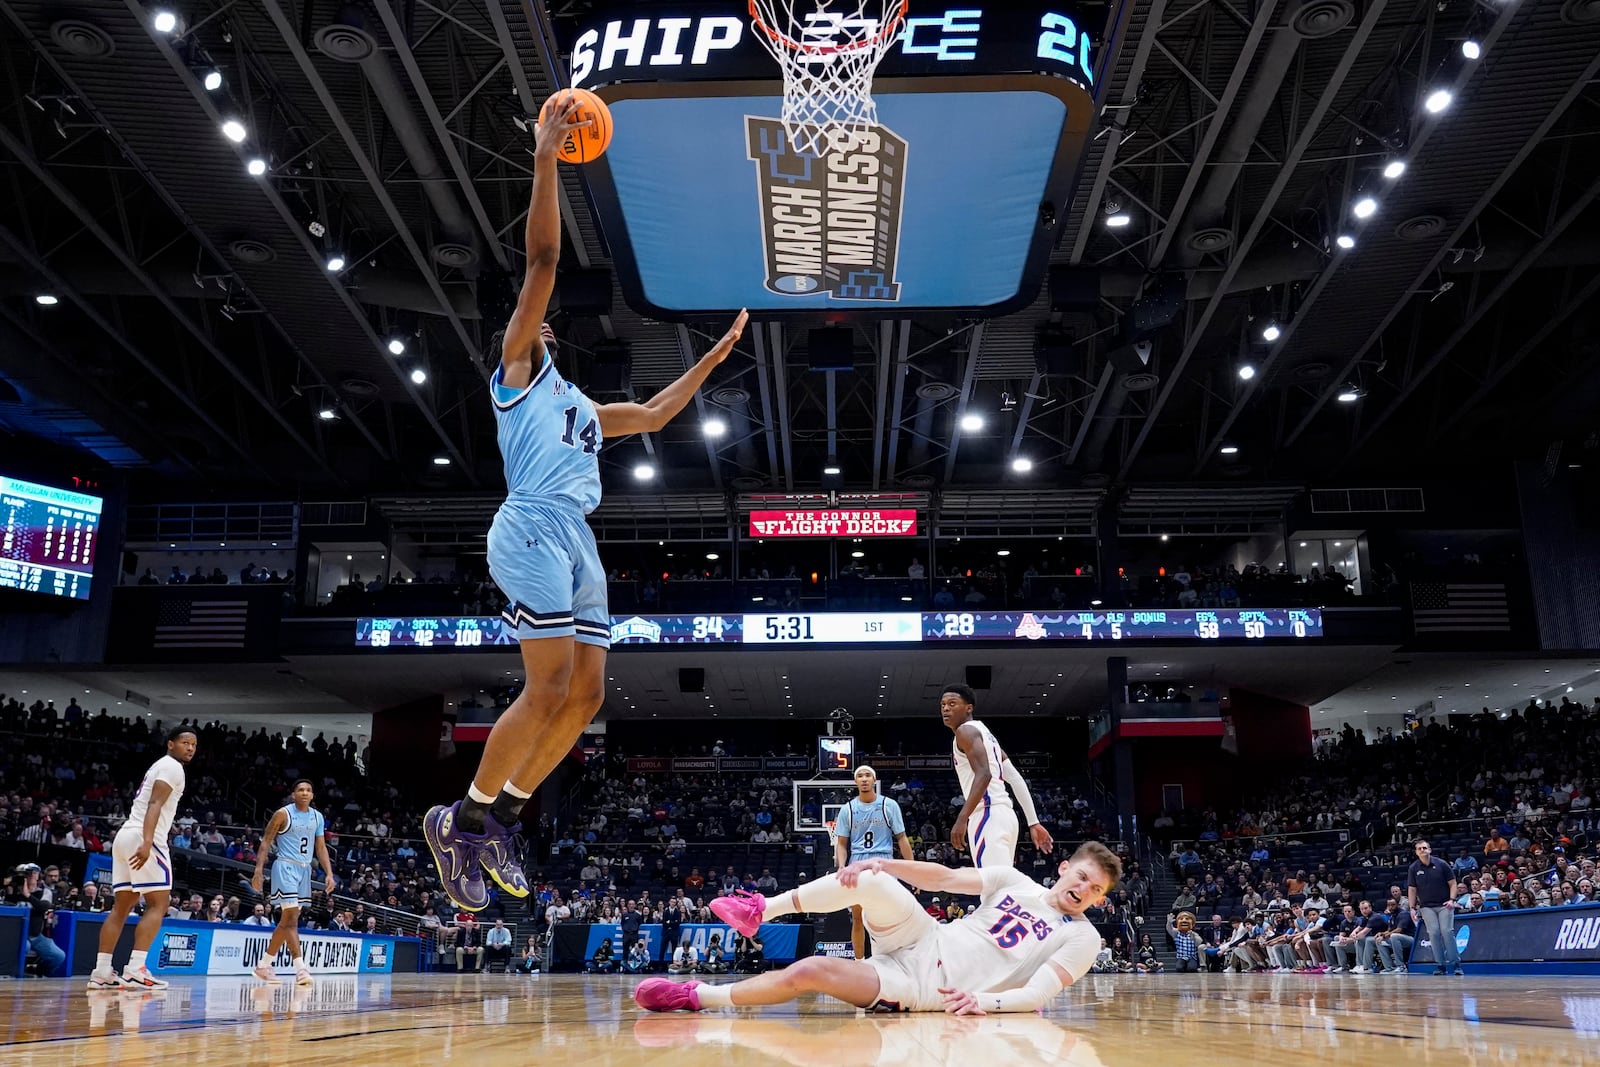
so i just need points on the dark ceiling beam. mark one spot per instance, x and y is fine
(1023, 416)
(61, 287)
(889, 331)
(1527, 260)
(902, 366)
(352, 142)
(1241, 249)
(969, 374)
(1469, 219)
(458, 167)
(780, 390)
(758, 341)
(12, 144)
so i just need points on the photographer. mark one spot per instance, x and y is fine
(24, 890)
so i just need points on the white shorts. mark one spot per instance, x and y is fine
(154, 877)
(992, 835)
(906, 955)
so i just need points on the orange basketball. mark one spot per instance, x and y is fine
(585, 143)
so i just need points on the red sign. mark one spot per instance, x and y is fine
(895, 523)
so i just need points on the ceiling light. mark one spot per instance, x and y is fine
(327, 414)
(857, 554)
(1229, 450)
(1471, 49)
(1437, 101)
(397, 347)
(165, 22)
(712, 555)
(234, 131)
(441, 461)
(213, 80)
(336, 262)
(1092, 604)
(1270, 332)
(1119, 220)
(419, 376)
(714, 428)
(644, 472)
(1003, 552)
(971, 423)
(48, 300)
(1022, 464)
(1345, 241)
(256, 167)
(1246, 372)
(1163, 537)
(1349, 395)
(832, 468)
(1364, 208)
(1394, 168)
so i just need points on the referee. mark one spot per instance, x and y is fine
(1431, 887)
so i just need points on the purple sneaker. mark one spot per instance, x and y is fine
(742, 911)
(455, 857)
(499, 856)
(660, 994)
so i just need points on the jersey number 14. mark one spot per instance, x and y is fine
(589, 435)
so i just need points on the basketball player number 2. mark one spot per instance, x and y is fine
(1008, 932)
(590, 439)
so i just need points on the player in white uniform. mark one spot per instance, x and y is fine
(294, 835)
(141, 866)
(869, 827)
(987, 818)
(1021, 945)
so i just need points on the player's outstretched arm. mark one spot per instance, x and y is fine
(275, 825)
(977, 753)
(620, 420)
(1019, 789)
(931, 876)
(1046, 983)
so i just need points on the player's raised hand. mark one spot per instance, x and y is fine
(1042, 839)
(957, 1002)
(548, 138)
(731, 338)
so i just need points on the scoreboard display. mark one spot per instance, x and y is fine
(876, 627)
(48, 538)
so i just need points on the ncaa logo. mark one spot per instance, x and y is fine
(1463, 935)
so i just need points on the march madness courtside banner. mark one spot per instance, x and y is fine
(211, 949)
(577, 942)
(1565, 935)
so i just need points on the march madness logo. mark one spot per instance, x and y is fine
(177, 950)
(377, 956)
(830, 222)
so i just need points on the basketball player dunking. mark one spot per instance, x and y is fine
(987, 818)
(542, 554)
(1021, 945)
(295, 835)
(869, 827)
(141, 866)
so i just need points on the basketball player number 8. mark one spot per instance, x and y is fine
(1008, 932)
(591, 442)
(866, 840)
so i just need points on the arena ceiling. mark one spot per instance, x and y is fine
(199, 335)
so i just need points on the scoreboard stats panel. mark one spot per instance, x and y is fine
(880, 627)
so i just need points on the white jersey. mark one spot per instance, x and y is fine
(166, 769)
(998, 794)
(1011, 934)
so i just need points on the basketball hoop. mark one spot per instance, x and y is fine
(828, 55)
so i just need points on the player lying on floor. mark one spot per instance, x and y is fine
(1021, 945)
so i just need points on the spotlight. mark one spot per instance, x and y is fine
(1246, 372)
(212, 80)
(327, 414)
(1229, 450)
(48, 300)
(1345, 241)
(1394, 168)
(971, 423)
(643, 472)
(336, 263)
(714, 428)
(1022, 464)
(1364, 208)
(712, 556)
(832, 469)
(165, 22)
(397, 347)
(1119, 220)
(1471, 49)
(1270, 332)
(234, 131)
(441, 461)
(1349, 395)
(1437, 101)
(256, 167)
(419, 376)
(1163, 537)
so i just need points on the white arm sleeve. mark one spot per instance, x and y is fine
(1019, 789)
(1045, 984)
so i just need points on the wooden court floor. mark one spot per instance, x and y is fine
(1105, 1021)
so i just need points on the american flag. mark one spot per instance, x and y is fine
(1450, 607)
(183, 623)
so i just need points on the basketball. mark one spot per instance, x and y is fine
(586, 143)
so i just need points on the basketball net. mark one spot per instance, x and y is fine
(828, 51)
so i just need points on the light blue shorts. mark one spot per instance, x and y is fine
(545, 561)
(291, 884)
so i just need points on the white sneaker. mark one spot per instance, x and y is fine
(302, 976)
(106, 979)
(141, 979)
(1358, 969)
(263, 971)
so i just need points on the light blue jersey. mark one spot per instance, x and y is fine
(298, 843)
(870, 828)
(550, 440)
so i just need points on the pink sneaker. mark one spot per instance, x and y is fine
(659, 994)
(742, 911)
